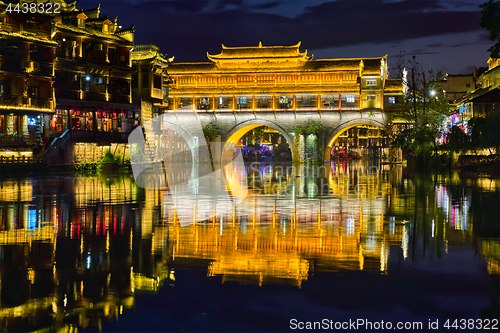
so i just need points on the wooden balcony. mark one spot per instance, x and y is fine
(28, 103)
(94, 97)
(41, 68)
(16, 141)
(12, 64)
(157, 93)
(115, 98)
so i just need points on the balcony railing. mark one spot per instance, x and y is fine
(12, 64)
(157, 93)
(119, 98)
(42, 68)
(21, 65)
(94, 97)
(11, 140)
(42, 103)
(21, 101)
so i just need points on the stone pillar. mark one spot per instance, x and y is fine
(328, 153)
(298, 148)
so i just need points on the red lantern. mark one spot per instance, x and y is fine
(72, 111)
(103, 114)
(78, 112)
(123, 114)
(97, 113)
(114, 114)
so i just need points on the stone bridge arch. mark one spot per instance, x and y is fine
(240, 129)
(332, 135)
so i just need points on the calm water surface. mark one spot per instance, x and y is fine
(354, 240)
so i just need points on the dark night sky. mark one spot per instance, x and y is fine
(444, 34)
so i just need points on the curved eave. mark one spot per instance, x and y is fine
(150, 58)
(260, 46)
(130, 29)
(301, 57)
(257, 52)
(94, 34)
(28, 38)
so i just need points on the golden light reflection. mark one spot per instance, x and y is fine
(120, 240)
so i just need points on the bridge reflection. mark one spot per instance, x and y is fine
(75, 251)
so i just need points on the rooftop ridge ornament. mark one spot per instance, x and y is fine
(291, 52)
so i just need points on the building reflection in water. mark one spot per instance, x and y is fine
(74, 251)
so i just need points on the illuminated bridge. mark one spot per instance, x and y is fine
(284, 89)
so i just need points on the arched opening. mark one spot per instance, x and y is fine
(261, 141)
(357, 140)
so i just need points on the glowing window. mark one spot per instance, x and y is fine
(371, 82)
(349, 98)
(392, 100)
(371, 97)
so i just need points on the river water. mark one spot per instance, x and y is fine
(350, 242)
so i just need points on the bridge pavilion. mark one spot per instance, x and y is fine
(289, 88)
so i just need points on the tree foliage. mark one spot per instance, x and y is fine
(422, 111)
(484, 133)
(490, 20)
(313, 127)
(457, 140)
(211, 130)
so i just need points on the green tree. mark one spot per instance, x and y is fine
(457, 140)
(211, 130)
(490, 20)
(422, 111)
(257, 135)
(484, 133)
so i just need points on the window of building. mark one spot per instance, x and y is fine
(371, 97)
(467, 85)
(105, 28)
(81, 23)
(98, 80)
(349, 98)
(371, 82)
(392, 100)
(283, 99)
(33, 90)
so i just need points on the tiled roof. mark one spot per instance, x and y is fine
(371, 66)
(393, 85)
(88, 31)
(252, 52)
(145, 53)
